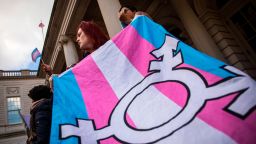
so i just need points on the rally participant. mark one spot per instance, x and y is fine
(40, 115)
(89, 38)
(127, 13)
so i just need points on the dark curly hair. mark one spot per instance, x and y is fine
(132, 8)
(39, 92)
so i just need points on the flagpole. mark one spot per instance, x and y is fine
(42, 27)
(42, 61)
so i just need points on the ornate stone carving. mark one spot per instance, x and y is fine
(12, 90)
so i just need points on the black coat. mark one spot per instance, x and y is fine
(40, 122)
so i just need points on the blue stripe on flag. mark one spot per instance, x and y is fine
(155, 34)
(202, 61)
(152, 32)
(66, 94)
(34, 50)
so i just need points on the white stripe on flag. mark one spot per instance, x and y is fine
(122, 75)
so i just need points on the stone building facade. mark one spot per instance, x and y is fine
(224, 29)
(14, 88)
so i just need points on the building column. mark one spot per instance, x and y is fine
(69, 48)
(109, 10)
(196, 29)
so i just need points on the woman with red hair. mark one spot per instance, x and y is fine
(89, 38)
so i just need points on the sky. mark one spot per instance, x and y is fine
(19, 32)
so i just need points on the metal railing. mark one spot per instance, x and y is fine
(20, 73)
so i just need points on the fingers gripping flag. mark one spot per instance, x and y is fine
(146, 86)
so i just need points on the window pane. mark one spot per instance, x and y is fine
(253, 21)
(13, 107)
(252, 42)
(248, 31)
(249, 12)
(245, 22)
(238, 19)
(221, 3)
(14, 117)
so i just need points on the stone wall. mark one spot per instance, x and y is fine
(9, 87)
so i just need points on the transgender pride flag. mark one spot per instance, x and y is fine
(35, 54)
(146, 86)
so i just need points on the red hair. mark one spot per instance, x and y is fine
(94, 32)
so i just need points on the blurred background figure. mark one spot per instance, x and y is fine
(127, 13)
(40, 115)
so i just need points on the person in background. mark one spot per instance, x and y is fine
(89, 38)
(40, 115)
(127, 13)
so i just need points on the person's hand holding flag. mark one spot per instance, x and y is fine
(35, 55)
(46, 68)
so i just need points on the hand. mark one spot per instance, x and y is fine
(47, 69)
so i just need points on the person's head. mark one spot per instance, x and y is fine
(126, 13)
(40, 92)
(90, 36)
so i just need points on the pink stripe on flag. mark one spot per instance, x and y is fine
(98, 96)
(35, 54)
(242, 131)
(135, 48)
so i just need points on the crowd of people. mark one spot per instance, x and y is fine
(89, 38)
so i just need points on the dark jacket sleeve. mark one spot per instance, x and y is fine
(43, 126)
